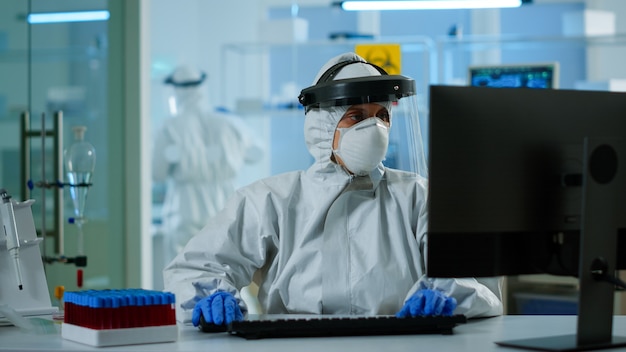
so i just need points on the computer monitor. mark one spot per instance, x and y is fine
(527, 181)
(535, 75)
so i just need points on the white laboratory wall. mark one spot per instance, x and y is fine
(486, 22)
(194, 31)
(608, 63)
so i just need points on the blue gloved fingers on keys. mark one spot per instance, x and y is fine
(217, 309)
(412, 307)
(435, 301)
(220, 308)
(427, 302)
(417, 304)
(449, 307)
(202, 309)
(232, 310)
(195, 315)
(198, 311)
(403, 312)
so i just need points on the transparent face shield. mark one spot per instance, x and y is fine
(394, 93)
(406, 149)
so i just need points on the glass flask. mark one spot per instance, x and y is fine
(80, 161)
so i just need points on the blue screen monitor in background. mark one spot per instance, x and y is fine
(541, 76)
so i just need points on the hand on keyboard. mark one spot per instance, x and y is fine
(427, 302)
(220, 309)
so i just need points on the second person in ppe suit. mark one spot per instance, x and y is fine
(197, 153)
(345, 236)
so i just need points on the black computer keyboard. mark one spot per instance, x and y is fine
(340, 326)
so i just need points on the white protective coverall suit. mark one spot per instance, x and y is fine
(322, 241)
(198, 153)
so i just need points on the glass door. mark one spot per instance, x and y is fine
(55, 69)
(14, 89)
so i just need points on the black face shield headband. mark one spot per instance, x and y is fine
(170, 80)
(360, 90)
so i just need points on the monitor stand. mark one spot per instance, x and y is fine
(601, 210)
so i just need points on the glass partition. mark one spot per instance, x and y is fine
(55, 77)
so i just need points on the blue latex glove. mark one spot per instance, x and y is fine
(427, 302)
(220, 308)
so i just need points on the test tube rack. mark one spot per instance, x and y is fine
(119, 317)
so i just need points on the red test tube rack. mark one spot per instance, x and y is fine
(119, 317)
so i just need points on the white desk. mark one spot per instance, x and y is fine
(477, 335)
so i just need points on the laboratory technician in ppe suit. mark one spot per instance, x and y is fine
(345, 236)
(197, 153)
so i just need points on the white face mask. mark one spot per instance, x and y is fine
(363, 146)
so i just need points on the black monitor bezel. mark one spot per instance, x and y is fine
(488, 143)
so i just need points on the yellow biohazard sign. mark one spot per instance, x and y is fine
(387, 56)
